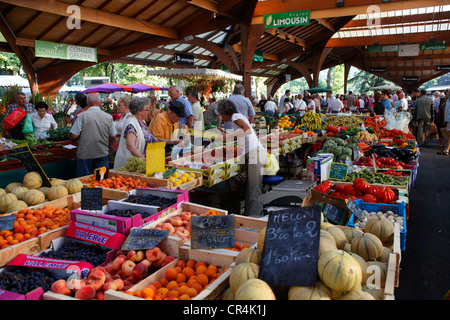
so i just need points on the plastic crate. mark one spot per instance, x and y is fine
(399, 209)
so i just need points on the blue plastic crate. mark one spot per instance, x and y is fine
(399, 209)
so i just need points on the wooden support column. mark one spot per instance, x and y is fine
(304, 71)
(26, 63)
(320, 52)
(250, 37)
(347, 66)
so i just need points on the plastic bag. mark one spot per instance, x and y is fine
(28, 125)
(13, 119)
(272, 165)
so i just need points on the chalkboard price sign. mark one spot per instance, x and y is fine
(353, 207)
(332, 213)
(91, 198)
(291, 247)
(30, 163)
(7, 222)
(141, 239)
(338, 171)
(212, 232)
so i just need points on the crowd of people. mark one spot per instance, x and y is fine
(140, 120)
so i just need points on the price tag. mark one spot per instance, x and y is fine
(353, 207)
(101, 173)
(30, 163)
(212, 232)
(140, 239)
(291, 247)
(332, 213)
(91, 198)
(7, 222)
(338, 171)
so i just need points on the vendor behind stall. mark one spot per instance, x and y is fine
(21, 103)
(42, 121)
(165, 124)
(255, 154)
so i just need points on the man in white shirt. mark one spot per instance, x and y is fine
(281, 107)
(197, 111)
(270, 107)
(403, 105)
(437, 100)
(334, 105)
(361, 102)
(311, 105)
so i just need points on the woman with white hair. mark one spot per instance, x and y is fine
(135, 135)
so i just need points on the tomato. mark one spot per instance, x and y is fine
(372, 190)
(339, 188)
(361, 185)
(369, 198)
(385, 195)
(349, 190)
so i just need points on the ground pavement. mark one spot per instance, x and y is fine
(425, 262)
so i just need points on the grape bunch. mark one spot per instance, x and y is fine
(151, 200)
(134, 164)
(25, 279)
(78, 251)
(127, 213)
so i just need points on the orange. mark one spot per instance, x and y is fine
(147, 293)
(203, 279)
(171, 274)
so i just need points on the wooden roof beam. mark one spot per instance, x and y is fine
(97, 16)
(282, 36)
(398, 39)
(328, 9)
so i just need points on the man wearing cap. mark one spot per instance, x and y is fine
(165, 125)
(175, 94)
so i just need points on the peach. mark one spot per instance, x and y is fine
(140, 255)
(117, 263)
(139, 272)
(136, 256)
(168, 260)
(119, 283)
(127, 267)
(100, 295)
(168, 226)
(112, 285)
(120, 253)
(131, 255)
(146, 262)
(86, 293)
(185, 216)
(127, 283)
(109, 268)
(182, 232)
(176, 221)
(158, 263)
(60, 286)
(108, 278)
(153, 254)
(120, 274)
(76, 284)
(96, 279)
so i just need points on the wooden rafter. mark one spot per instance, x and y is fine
(97, 16)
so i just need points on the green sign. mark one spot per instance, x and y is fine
(433, 46)
(286, 19)
(258, 56)
(45, 49)
(338, 171)
(392, 48)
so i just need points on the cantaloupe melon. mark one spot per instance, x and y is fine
(57, 192)
(34, 197)
(32, 180)
(6, 200)
(9, 188)
(57, 182)
(228, 294)
(357, 295)
(317, 292)
(16, 206)
(242, 272)
(2, 191)
(73, 185)
(44, 190)
(380, 226)
(368, 246)
(338, 235)
(19, 191)
(352, 233)
(248, 255)
(376, 273)
(254, 289)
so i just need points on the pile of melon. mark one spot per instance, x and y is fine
(352, 265)
(30, 192)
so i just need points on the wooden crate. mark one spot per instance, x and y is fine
(171, 244)
(210, 293)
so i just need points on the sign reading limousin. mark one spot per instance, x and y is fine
(46, 49)
(286, 19)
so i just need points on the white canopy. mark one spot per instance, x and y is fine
(438, 88)
(191, 74)
(386, 86)
(9, 81)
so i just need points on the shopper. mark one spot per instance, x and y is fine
(21, 102)
(423, 114)
(211, 114)
(188, 119)
(124, 110)
(92, 131)
(80, 100)
(197, 110)
(154, 110)
(445, 143)
(378, 107)
(255, 154)
(135, 135)
(243, 105)
(42, 121)
(281, 106)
